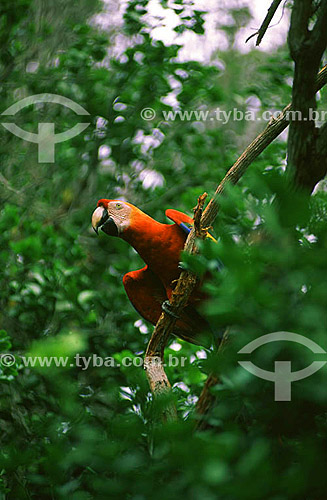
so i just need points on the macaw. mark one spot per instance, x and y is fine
(159, 245)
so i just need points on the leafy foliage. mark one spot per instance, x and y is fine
(68, 431)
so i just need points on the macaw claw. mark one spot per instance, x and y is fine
(166, 306)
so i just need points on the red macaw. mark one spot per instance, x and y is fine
(159, 245)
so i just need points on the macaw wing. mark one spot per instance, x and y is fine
(146, 293)
(178, 217)
(182, 220)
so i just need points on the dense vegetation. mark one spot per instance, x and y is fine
(83, 434)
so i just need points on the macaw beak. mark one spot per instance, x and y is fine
(101, 219)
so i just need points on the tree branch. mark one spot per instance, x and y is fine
(206, 397)
(153, 361)
(298, 32)
(187, 281)
(322, 141)
(321, 152)
(319, 32)
(267, 20)
(7, 184)
(306, 48)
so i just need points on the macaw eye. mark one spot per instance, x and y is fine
(119, 206)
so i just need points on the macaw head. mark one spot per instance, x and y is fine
(112, 216)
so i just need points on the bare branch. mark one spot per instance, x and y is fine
(298, 32)
(319, 32)
(206, 397)
(321, 152)
(153, 361)
(198, 210)
(322, 141)
(267, 20)
(7, 184)
(306, 48)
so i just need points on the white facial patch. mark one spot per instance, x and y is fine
(120, 213)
